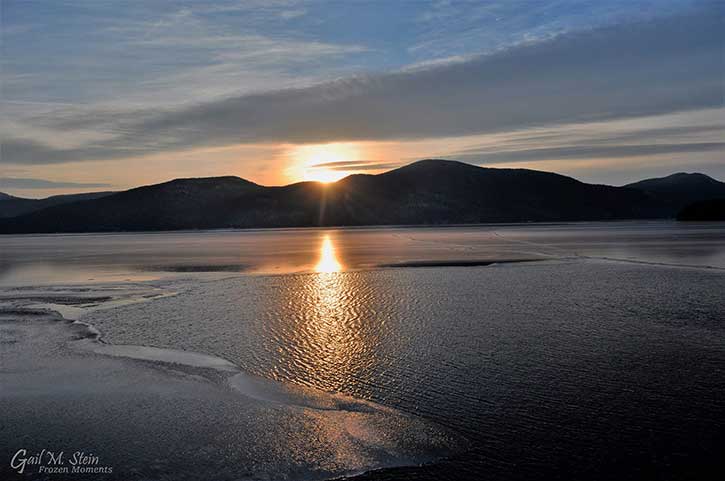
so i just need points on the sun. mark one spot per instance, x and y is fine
(324, 175)
(324, 162)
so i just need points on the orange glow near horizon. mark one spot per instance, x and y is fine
(323, 162)
(325, 176)
(328, 259)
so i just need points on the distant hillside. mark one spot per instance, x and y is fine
(11, 206)
(4, 196)
(180, 203)
(448, 192)
(678, 190)
(704, 210)
(425, 192)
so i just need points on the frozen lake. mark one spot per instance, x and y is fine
(48, 259)
(576, 351)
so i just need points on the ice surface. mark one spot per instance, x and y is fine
(172, 356)
(155, 412)
(605, 359)
(136, 257)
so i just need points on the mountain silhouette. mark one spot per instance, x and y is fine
(704, 210)
(678, 190)
(429, 192)
(11, 206)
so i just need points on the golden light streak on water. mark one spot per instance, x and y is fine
(328, 259)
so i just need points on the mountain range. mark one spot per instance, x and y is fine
(429, 191)
(11, 206)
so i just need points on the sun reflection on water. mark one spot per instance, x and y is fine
(326, 332)
(328, 259)
(325, 341)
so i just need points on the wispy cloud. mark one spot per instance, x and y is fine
(356, 165)
(456, 28)
(586, 152)
(24, 183)
(157, 54)
(693, 132)
(655, 67)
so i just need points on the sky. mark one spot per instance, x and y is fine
(103, 95)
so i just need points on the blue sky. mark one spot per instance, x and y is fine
(118, 94)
